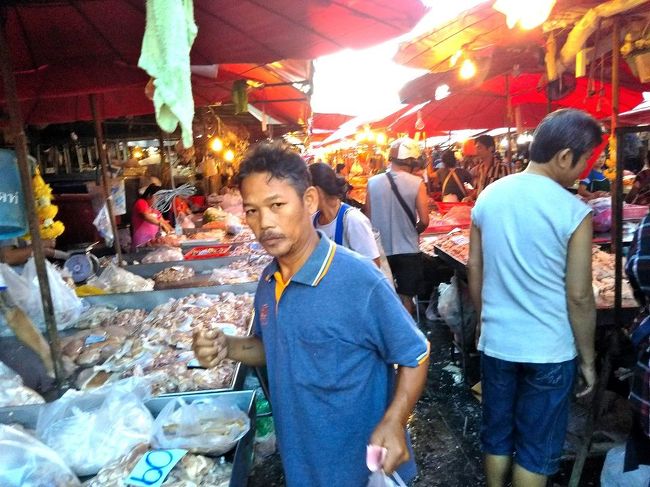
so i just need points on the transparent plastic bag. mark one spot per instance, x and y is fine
(380, 479)
(163, 254)
(449, 305)
(202, 426)
(25, 293)
(89, 430)
(12, 390)
(114, 279)
(26, 462)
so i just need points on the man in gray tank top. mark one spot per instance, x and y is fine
(398, 208)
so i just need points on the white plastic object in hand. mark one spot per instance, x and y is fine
(375, 457)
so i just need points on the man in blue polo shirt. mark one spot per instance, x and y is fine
(330, 352)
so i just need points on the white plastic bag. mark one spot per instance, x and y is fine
(613, 475)
(202, 426)
(89, 430)
(25, 293)
(26, 462)
(114, 279)
(380, 479)
(163, 254)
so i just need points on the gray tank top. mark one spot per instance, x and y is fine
(398, 234)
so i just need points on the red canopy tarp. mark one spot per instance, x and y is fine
(242, 31)
(51, 95)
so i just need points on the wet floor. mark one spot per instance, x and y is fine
(444, 428)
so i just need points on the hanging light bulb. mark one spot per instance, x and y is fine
(216, 144)
(381, 138)
(467, 69)
(229, 156)
(441, 92)
(419, 123)
(504, 143)
(528, 15)
(137, 153)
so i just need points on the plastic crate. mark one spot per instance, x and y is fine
(445, 206)
(209, 251)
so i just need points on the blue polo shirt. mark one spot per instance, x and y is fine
(331, 336)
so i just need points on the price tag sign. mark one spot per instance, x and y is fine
(153, 467)
(90, 339)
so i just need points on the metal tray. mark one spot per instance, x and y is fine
(148, 300)
(27, 416)
(199, 266)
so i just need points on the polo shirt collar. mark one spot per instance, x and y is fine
(316, 266)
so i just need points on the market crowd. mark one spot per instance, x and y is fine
(333, 311)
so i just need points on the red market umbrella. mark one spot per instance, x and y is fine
(329, 121)
(468, 111)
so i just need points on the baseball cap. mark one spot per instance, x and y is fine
(404, 148)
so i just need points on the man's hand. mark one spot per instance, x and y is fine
(210, 347)
(588, 373)
(390, 435)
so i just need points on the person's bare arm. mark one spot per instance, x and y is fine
(389, 433)
(580, 300)
(211, 347)
(475, 274)
(422, 208)
(15, 255)
(633, 192)
(584, 192)
(20, 255)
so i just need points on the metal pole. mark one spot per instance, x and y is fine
(617, 194)
(103, 159)
(26, 181)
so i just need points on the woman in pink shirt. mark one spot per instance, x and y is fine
(146, 221)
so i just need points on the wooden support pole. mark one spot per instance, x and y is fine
(107, 186)
(20, 141)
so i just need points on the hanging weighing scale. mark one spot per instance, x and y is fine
(82, 264)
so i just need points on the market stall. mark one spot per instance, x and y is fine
(108, 438)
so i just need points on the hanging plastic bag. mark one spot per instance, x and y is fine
(102, 223)
(203, 426)
(26, 462)
(449, 305)
(89, 430)
(25, 293)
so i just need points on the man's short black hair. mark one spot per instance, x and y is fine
(565, 129)
(449, 158)
(280, 161)
(485, 140)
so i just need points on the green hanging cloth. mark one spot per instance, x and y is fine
(165, 56)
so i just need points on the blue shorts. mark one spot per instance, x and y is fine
(526, 410)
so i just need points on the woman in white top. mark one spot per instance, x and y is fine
(340, 222)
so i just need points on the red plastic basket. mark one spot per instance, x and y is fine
(444, 207)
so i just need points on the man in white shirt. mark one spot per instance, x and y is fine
(530, 280)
